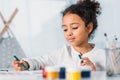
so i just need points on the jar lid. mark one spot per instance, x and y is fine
(86, 68)
(51, 69)
(62, 73)
(73, 69)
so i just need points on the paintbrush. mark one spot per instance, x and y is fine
(108, 45)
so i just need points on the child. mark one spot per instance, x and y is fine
(79, 24)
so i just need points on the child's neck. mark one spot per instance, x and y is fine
(84, 49)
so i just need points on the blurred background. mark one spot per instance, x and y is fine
(37, 25)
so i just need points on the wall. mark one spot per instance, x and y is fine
(37, 26)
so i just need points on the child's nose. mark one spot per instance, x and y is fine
(69, 33)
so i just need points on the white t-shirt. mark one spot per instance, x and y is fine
(68, 57)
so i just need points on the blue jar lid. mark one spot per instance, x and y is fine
(62, 73)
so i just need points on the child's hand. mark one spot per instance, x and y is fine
(87, 62)
(42, 67)
(17, 65)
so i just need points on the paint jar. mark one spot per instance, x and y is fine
(43, 73)
(85, 71)
(52, 73)
(73, 73)
(62, 73)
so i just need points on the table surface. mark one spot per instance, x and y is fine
(37, 75)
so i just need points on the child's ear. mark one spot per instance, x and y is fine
(90, 27)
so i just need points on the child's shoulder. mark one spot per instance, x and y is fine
(98, 50)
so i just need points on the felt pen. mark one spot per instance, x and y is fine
(4, 70)
(80, 58)
(24, 66)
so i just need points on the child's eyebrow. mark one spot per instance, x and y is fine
(70, 24)
(63, 25)
(74, 23)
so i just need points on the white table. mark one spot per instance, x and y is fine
(37, 75)
(101, 75)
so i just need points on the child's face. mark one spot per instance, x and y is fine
(75, 31)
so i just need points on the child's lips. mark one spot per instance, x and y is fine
(71, 39)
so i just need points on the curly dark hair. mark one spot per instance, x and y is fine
(88, 10)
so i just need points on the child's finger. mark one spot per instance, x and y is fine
(85, 59)
(20, 68)
(15, 62)
(21, 61)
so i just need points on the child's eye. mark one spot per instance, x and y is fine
(65, 30)
(75, 28)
